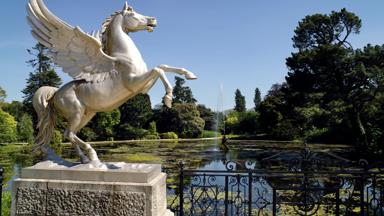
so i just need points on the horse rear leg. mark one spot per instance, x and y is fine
(84, 121)
(74, 124)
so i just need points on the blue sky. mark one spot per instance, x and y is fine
(238, 44)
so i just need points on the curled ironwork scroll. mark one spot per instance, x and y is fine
(297, 183)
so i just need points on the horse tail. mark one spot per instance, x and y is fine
(46, 115)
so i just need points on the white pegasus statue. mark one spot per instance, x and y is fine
(106, 66)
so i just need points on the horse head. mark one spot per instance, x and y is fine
(133, 21)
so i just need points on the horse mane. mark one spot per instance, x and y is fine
(105, 29)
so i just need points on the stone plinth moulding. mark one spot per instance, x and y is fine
(121, 189)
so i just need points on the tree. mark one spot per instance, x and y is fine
(137, 111)
(271, 109)
(25, 129)
(248, 123)
(239, 101)
(183, 119)
(257, 98)
(182, 94)
(208, 116)
(8, 127)
(232, 122)
(328, 78)
(188, 121)
(322, 29)
(15, 108)
(103, 124)
(3, 95)
(43, 75)
(135, 116)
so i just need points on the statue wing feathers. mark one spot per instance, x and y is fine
(78, 53)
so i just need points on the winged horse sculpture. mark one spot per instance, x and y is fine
(106, 66)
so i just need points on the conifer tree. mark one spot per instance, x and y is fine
(239, 101)
(43, 75)
(182, 94)
(257, 99)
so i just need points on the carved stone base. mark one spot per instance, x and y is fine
(49, 189)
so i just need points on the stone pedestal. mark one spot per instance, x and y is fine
(120, 189)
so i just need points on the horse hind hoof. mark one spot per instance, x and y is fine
(97, 164)
(84, 160)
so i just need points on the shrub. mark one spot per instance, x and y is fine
(152, 130)
(169, 135)
(6, 203)
(8, 127)
(128, 132)
(151, 136)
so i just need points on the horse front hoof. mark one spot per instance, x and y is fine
(190, 76)
(168, 101)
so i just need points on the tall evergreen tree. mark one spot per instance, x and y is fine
(257, 99)
(182, 94)
(239, 101)
(43, 75)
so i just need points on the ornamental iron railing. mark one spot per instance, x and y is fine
(290, 183)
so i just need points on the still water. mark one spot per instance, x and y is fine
(201, 155)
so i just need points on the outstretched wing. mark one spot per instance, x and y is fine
(79, 54)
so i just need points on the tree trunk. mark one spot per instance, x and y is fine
(362, 135)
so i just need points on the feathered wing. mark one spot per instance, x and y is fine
(79, 54)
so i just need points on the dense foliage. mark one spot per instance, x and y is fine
(8, 127)
(332, 93)
(184, 117)
(208, 116)
(25, 129)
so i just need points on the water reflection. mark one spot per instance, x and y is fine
(201, 155)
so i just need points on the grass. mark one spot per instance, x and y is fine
(210, 134)
(143, 157)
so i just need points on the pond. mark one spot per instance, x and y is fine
(204, 156)
(201, 154)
